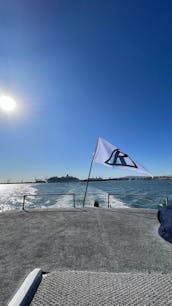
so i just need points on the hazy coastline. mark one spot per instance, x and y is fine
(67, 178)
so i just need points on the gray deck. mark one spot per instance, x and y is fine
(110, 240)
(103, 288)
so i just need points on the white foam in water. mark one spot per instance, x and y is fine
(102, 197)
(64, 201)
(115, 203)
(11, 195)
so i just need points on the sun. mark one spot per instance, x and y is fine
(7, 103)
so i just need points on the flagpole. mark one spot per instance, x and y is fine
(89, 175)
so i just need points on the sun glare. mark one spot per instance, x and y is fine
(7, 103)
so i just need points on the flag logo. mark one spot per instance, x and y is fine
(111, 156)
(118, 158)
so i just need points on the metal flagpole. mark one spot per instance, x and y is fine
(89, 175)
(88, 181)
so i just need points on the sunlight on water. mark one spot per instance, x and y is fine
(122, 194)
(11, 195)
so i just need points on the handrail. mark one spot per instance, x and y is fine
(47, 194)
(138, 195)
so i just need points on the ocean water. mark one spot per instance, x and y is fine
(119, 194)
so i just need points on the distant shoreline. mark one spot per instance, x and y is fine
(68, 179)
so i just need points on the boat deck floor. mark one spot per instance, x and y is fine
(92, 240)
(104, 288)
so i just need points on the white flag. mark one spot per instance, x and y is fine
(110, 155)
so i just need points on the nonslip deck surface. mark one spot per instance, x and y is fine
(102, 288)
(93, 240)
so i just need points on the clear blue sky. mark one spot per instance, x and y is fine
(82, 69)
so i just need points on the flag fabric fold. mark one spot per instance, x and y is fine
(110, 155)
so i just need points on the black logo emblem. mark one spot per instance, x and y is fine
(118, 158)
